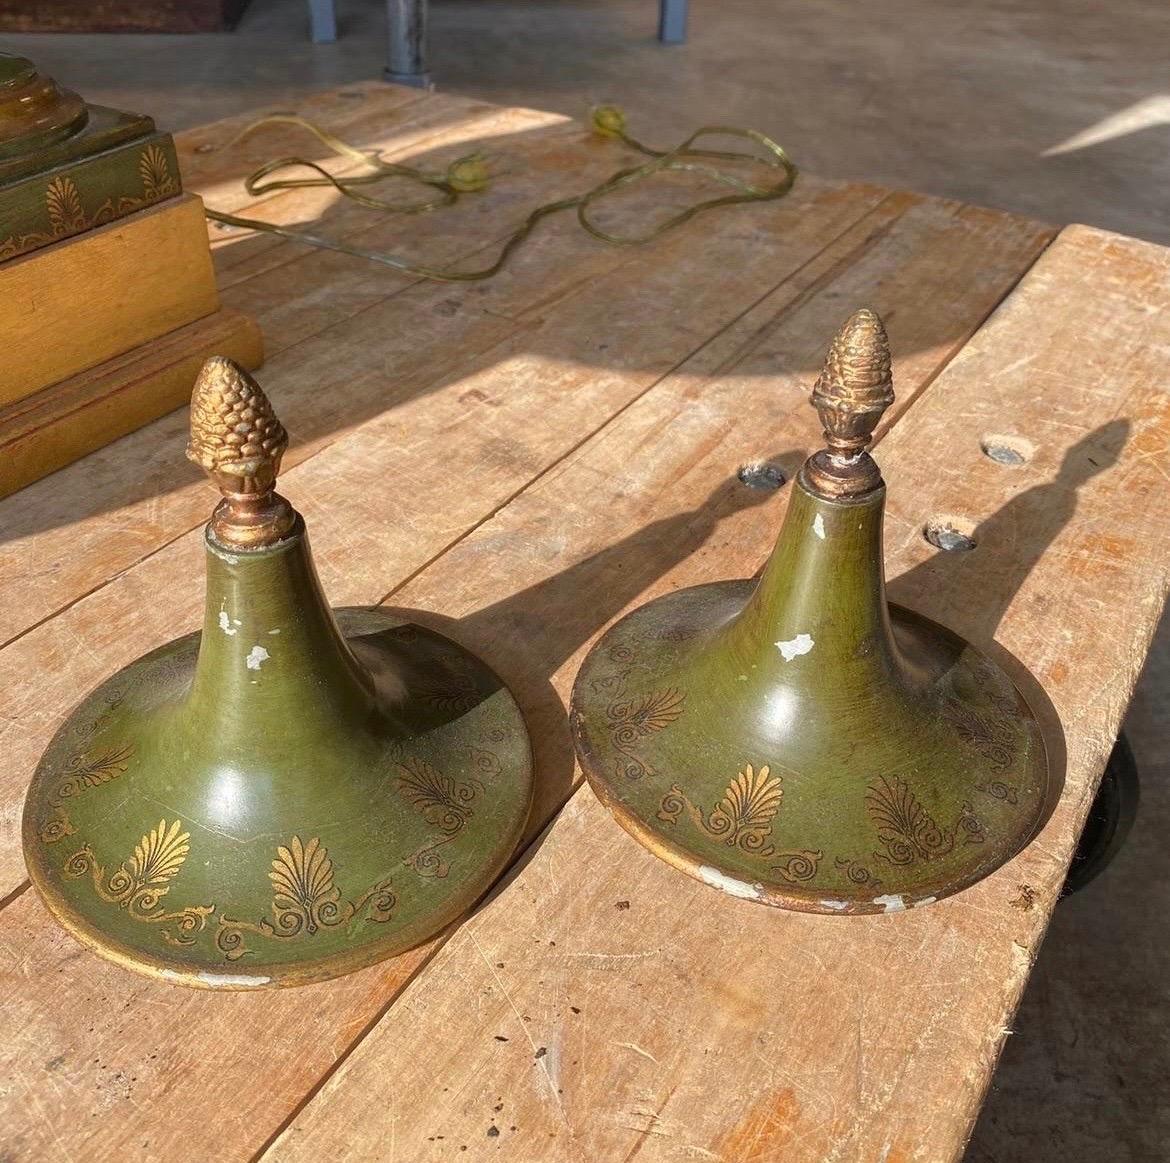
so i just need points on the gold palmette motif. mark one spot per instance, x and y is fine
(907, 831)
(141, 882)
(305, 900)
(743, 819)
(155, 173)
(80, 774)
(66, 211)
(443, 802)
(630, 720)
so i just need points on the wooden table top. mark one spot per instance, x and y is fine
(523, 460)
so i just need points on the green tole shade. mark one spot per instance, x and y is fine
(288, 795)
(798, 741)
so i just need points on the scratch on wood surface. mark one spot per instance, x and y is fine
(637, 1050)
(542, 1060)
(653, 1126)
(766, 1128)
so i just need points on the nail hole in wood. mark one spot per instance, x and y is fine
(761, 475)
(951, 534)
(1007, 450)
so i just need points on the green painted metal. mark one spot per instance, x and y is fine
(802, 743)
(274, 801)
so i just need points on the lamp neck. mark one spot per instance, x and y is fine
(271, 657)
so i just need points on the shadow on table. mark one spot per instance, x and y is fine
(530, 635)
(1090, 1052)
(1007, 546)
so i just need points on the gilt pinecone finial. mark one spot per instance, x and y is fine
(237, 439)
(852, 392)
(235, 435)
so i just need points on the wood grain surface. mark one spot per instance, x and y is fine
(77, 303)
(620, 1009)
(520, 461)
(55, 426)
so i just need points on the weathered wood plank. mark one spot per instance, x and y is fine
(114, 507)
(526, 388)
(960, 262)
(649, 1016)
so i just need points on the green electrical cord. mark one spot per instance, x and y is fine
(470, 174)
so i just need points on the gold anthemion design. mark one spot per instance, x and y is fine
(305, 900)
(63, 203)
(453, 690)
(992, 738)
(743, 819)
(155, 173)
(66, 211)
(443, 802)
(907, 831)
(83, 772)
(629, 721)
(80, 774)
(141, 882)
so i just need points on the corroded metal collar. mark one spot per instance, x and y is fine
(852, 392)
(238, 441)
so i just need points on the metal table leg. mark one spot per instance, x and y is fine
(672, 21)
(407, 32)
(322, 21)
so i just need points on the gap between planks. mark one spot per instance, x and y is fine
(1043, 851)
(938, 245)
(325, 443)
(824, 279)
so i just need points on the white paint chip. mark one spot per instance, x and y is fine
(232, 980)
(277, 631)
(257, 656)
(801, 644)
(926, 900)
(836, 906)
(819, 526)
(728, 884)
(225, 623)
(891, 904)
(219, 980)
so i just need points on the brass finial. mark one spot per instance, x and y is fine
(238, 441)
(851, 393)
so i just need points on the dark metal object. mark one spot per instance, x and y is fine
(285, 797)
(1110, 818)
(798, 741)
(406, 31)
(672, 21)
(322, 21)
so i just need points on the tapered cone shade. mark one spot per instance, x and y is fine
(287, 795)
(798, 741)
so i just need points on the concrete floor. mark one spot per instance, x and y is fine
(955, 99)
